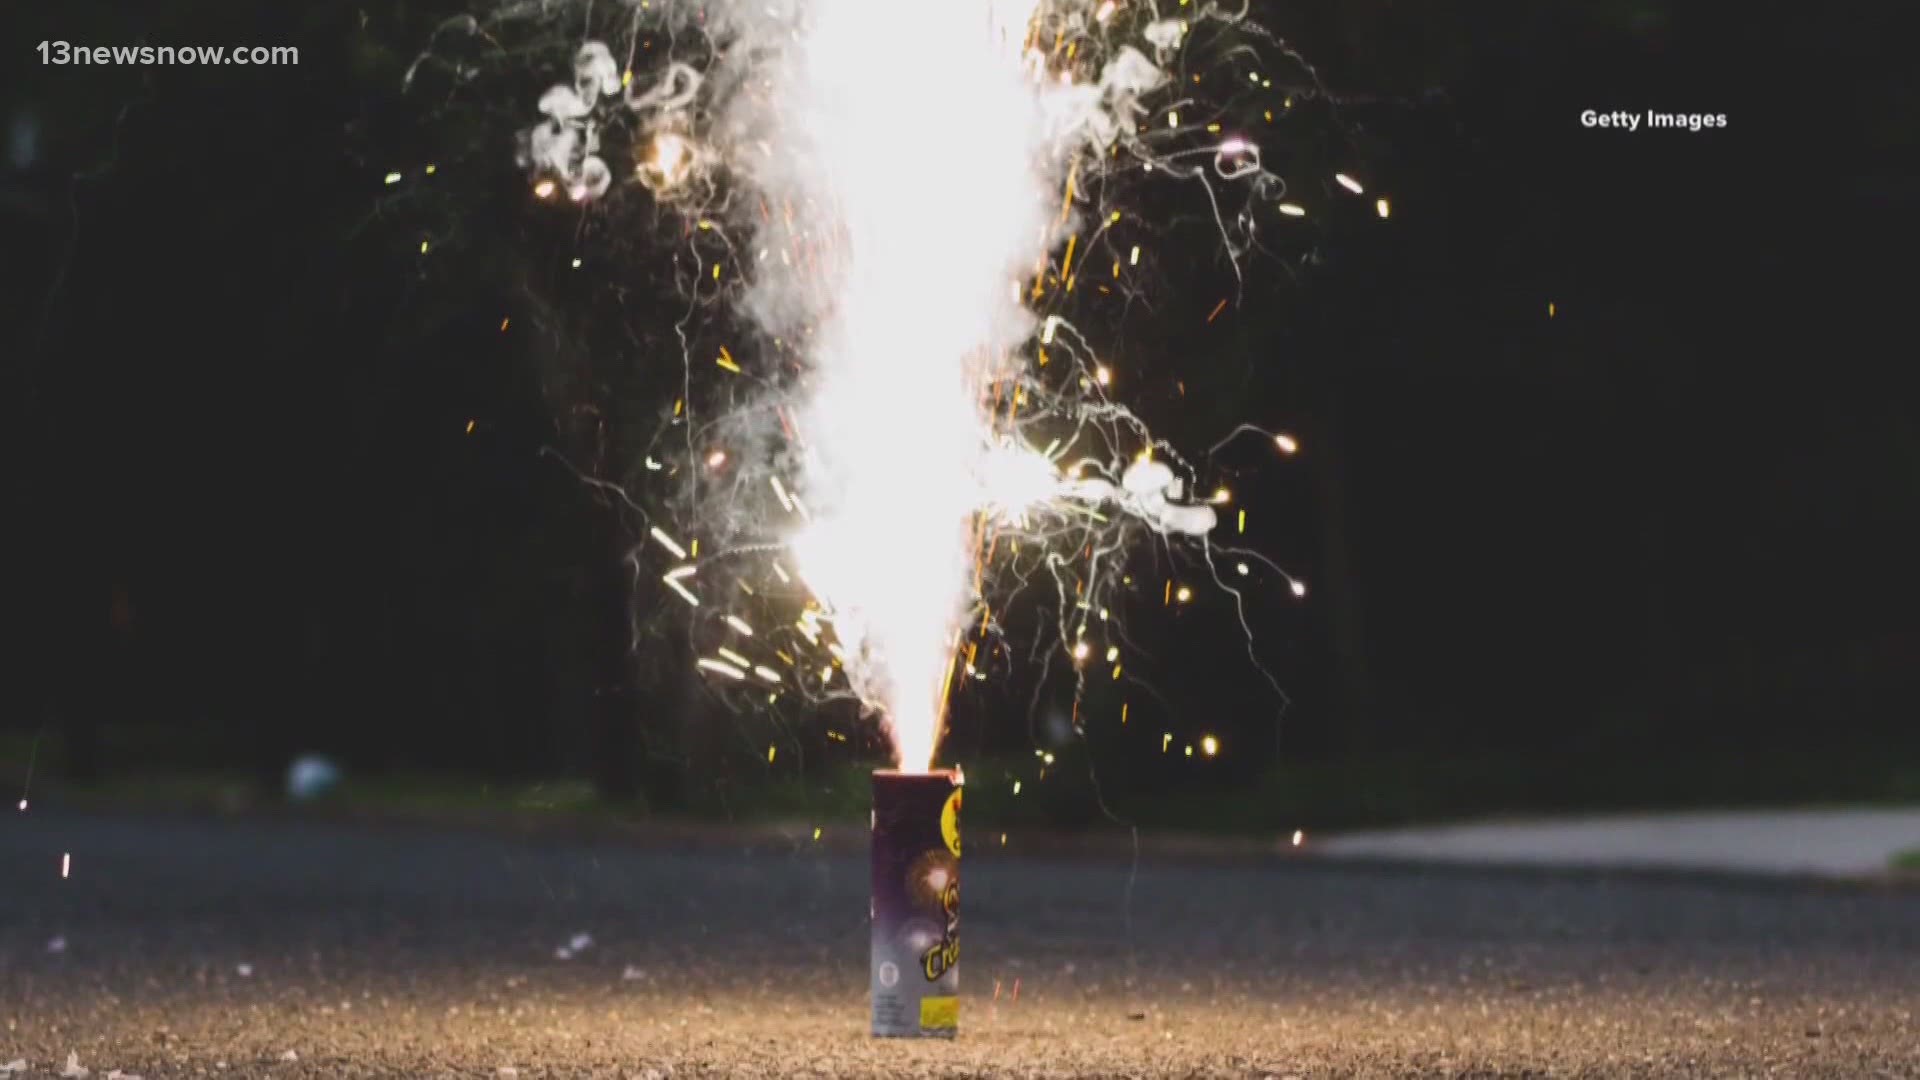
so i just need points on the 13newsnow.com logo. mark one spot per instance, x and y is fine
(67, 53)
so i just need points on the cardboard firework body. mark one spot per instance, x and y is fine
(916, 903)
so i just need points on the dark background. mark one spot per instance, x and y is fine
(1610, 466)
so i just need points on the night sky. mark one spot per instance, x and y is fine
(1606, 440)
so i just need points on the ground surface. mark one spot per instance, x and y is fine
(293, 950)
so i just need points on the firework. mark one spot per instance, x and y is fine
(897, 223)
(916, 903)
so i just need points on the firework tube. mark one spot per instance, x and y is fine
(916, 903)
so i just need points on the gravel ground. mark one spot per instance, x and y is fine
(182, 948)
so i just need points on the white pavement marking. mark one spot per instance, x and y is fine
(1830, 843)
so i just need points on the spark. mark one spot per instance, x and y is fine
(767, 673)
(1299, 837)
(1113, 653)
(1080, 650)
(1184, 594)
(1242, 567)
(669, 159)
(722, 667)
(392, 178)
(1382, 207)
(740, 624)
(1209, 745)
(667, 542)
(1349, 183)
(674, 584)
(1221, 495)
(733, 658)
(1299, 587)
(66, 865)
(1293, 209)
(543, 189)
(1287, 444)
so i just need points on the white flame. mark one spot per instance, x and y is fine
(899, 450)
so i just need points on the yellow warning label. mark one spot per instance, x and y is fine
(950, 823)
(939, 1013)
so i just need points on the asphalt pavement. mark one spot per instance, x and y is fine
(290, 949)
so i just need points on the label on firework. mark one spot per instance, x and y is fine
(916, 903)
